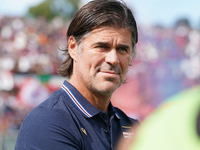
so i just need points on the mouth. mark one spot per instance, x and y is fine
(110, 74)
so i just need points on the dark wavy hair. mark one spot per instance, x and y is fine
(95, 14)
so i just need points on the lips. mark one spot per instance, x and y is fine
(110, 72)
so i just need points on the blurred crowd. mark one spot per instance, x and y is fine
(167, 61)
(29, 56)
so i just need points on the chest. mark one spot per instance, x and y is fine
(99, 133)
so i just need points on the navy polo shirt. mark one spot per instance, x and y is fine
(67, 121)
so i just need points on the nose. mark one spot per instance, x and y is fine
(112, 57)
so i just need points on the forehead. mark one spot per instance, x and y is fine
(110, 34)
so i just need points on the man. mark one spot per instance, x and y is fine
(101, 45)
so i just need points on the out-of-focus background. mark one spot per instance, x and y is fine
(167, 60)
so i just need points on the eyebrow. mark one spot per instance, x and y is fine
(107, 44)
(102, 43)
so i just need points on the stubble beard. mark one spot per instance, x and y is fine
(103, 87)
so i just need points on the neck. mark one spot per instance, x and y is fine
(98, 100)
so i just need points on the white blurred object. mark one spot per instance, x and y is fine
(193, 47)
(57, 22)
(190, 67)
(24, 64)
(6, 32)
(43, 59)
(20, 41)
(17, 24)
(182, 31)
(7, 64)
(6, 80)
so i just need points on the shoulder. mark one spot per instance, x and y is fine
(47, 128)
(47, 119)
(51, 112)
(126, 120)
(50, 122)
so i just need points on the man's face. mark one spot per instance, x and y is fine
(104, 60)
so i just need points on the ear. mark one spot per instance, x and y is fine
(73, 48)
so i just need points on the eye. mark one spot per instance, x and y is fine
(123, 50)
(102, 47)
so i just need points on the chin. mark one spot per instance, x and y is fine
(106, 92)
(105, 87)
(109, 89)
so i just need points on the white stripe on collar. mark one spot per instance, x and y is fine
(75, 101)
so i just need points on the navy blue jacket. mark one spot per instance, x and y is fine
(67, 121)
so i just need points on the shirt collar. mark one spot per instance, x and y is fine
(82, 104)
(87, 109)
(112, 110)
